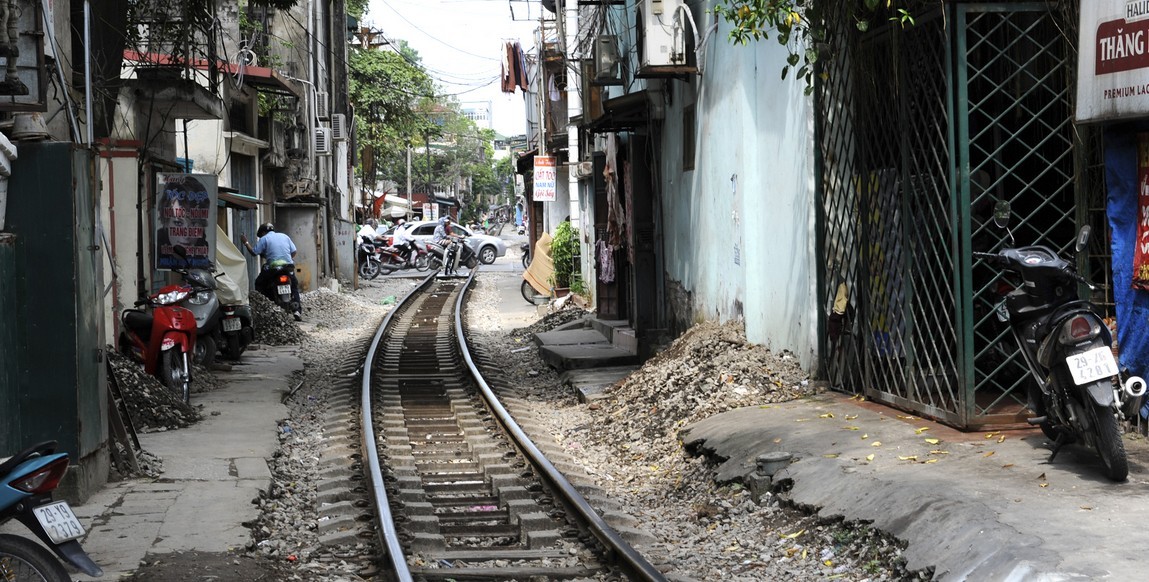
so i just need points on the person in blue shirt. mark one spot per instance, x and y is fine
(277, 250)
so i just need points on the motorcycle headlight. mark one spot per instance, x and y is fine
(199, 298)
(171, 297)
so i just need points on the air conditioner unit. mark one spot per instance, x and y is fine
(663, 31)
(322, 142)
(338, 126)
(322, 106)
(607, 65)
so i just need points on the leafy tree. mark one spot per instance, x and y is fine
(387, 90)
(799, 26)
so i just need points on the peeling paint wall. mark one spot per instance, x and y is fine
(739, 227)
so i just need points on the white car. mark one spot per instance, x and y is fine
(486, 247)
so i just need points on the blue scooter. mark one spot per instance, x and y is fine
(26, 484)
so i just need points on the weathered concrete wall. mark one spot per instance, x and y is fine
(739, 227)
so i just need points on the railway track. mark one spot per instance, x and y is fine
(460, 491)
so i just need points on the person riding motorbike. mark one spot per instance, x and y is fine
(277, 249)
(403, 241)
(444, 237)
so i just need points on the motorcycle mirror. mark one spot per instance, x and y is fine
(1083, 237)
(1001, 213)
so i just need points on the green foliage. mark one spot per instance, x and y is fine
(357, 8)
(799, 25)
(564, 248)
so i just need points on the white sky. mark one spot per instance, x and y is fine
(460, 43)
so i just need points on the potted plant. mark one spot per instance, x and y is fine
(564, 253)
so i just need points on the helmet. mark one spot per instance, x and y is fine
(264, 229)
(444, 219)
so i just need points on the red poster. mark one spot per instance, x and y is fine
(1141, 250)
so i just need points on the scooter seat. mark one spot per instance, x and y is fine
(138, 320)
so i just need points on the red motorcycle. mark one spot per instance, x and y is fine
(162, 337)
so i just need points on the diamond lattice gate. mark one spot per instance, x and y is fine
(921, 129)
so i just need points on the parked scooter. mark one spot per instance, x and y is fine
(525, 248)
(26, 484)
(368, 258)
(205, 306)
(1075, 390)
(162, 337)
(237, 327)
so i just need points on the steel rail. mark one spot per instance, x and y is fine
(383, 517)
(605, 534)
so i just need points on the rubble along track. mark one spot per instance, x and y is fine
(460, 491)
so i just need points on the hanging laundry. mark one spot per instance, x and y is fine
(510, 60)
(605, 262)
(521, 68)
(552, 89)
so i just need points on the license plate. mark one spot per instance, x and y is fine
(231, 324)
(1091, 366)
(283, 289)
(58, 522)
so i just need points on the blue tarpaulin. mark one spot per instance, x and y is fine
(1123, 211)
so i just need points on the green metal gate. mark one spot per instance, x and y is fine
(921, 129)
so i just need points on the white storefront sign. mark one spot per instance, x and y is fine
(546, 179)
(1113, 60)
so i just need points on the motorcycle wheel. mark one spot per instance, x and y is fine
(531, 295)
(388, 268)
(434, 263)
(472, 262)
(422, 263)
(1109, 444)
(231, 348)
(174, 373)
(204, 352)
(1038, 406)
(369, 269)
(23, 559)
(526, 260)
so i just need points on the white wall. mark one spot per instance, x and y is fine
(739, 227)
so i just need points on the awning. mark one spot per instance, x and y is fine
(445, 201)
(626, 112)
(232, 197)
(396, 200)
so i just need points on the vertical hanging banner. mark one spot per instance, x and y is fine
(1141, 249)
(546, 179)
(185, 217)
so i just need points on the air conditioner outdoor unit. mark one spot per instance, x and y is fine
(322, 107)
(322, 142)
(607, 64)
(663, 30)
(338, 126)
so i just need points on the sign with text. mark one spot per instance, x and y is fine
(185, 217)
(546, 179)
(1113, 60)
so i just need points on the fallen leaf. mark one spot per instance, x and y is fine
(933, 441)
(1086, 508)
(905, 417)
(921, 430)
(801, 419)
(870, 457)
(1001, 439)
(850, 428)
(793, 535)
(865, 436)
(857, 397)
(876, 444)
(827, 415)
(776, 441)
(909, 458)
(990, 435)
(851, 416)
(930, 461)
(1007, 465)
(936, 452)
(989, 454)
(1041, 476)
(804, 554)
(831, 455)
(766, 406)
(829, 563)
(1044, 485)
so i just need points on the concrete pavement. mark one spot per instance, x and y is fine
(212, 472)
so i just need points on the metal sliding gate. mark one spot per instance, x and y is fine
(920, 130)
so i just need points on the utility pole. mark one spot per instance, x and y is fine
(410, 205)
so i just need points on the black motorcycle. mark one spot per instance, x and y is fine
(1075, 390)
(451, 255)
(526, 250)
(279, 286)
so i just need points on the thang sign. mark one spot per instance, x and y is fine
(1113, 60)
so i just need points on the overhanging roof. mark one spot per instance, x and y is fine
(626, 112)
(232, 197)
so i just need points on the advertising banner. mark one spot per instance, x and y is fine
(185, 217)
(546, 179)
(1113, 60)
(1141, 248)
